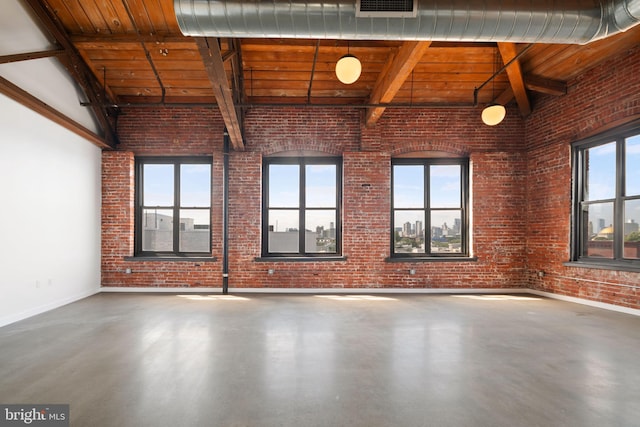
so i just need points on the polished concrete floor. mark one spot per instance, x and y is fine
(305, 360)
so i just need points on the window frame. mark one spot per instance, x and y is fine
(302, 162)
(176, 161)
(579, 189)
(465, 230)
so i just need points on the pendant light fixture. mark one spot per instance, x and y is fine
(348, 68)
(494, 113)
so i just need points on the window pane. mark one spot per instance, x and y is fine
(408, 186)
(444, 188)
(194, 230)
(320, 191)
(601, 172)
(408, 232)
(446, 229)
(284, 186)
(598, 220)
(633, 166)
(195, 185)
(283, 230)
(631, 229)
(158, 185)
(320, 231)
(157, 230)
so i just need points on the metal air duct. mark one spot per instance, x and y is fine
(532, 21)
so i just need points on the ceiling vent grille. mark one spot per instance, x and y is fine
(386, 8)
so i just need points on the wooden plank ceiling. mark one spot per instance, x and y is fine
(138, 56)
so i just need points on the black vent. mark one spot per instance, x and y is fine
(386, 5)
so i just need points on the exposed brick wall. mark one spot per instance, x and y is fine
(273, 130)
(607, 95)
(521, 185)
(170, 131)
(117, 211)
(498, 185)
(157, 132)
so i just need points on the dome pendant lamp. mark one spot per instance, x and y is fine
(348, 68)
(494, 113)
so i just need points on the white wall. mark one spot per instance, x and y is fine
(49, 214)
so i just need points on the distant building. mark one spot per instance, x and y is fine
(157, 234)
(332, 231)
(287, 241)
(606, 233)
(600, 224)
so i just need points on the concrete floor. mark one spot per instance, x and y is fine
(304, 360)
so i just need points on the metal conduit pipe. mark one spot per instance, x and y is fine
(225, 213)
(518, 21)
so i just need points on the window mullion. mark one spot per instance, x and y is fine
(393, 211)
(301, 209)
(139, 211)
(578, 217)
(464, 244)
(266, 211)
(176, 207)
(338, 220)
(427, 209)
(618, 209)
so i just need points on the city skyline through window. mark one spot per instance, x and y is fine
(429, 207)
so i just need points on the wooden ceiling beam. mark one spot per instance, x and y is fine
(548, 86)
(25, 98)
(536, 84)
(99, 38)
(508, 51)
(234, 57)
(505, 97)
(6, 59)
(214, 65)
(394, 73)
(78, 69)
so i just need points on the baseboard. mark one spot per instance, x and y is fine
(150, 289)
(6, 320)
(379, 290)
(597, 304)
(321, 290)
